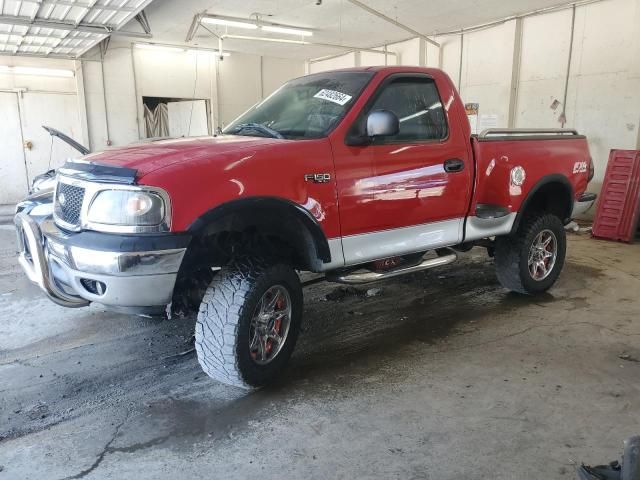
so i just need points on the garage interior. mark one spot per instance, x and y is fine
(441, 374)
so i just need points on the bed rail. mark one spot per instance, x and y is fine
(527, 133)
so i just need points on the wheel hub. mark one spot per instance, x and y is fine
(270, 325)
(542, 255)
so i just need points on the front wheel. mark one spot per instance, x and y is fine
(248, 322)
(530, 261)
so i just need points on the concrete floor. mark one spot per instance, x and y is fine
(443, 375)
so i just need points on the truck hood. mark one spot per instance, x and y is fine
(66, 139)
(148, 157)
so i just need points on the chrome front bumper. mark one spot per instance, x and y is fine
(74, 276)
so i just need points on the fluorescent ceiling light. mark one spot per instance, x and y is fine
(202, 50)
(229, 23)
(48, 72)
(287, 30)
(164, 48)
(266, 39)
(176, 49)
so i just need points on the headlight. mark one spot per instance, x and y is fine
(44, 181)
(126, 207)
(40, 184)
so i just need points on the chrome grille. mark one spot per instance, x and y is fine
(68, 203)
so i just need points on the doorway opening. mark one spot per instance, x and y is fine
(28, 150)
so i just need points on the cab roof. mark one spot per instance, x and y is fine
(387, 69)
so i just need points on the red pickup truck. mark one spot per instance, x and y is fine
(360, 174)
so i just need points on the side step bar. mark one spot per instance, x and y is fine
(370, 277)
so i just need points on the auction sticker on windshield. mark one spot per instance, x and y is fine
(333, 96)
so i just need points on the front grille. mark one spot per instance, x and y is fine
(68, 203)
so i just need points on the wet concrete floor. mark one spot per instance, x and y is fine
(442, 375)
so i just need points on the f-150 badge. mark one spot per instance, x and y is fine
(317, 177)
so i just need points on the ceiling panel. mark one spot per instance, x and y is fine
(61, 27)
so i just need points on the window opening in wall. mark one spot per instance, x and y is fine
(168, 117)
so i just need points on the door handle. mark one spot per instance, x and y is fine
(453, 165)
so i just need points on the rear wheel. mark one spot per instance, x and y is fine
(531, 260)
(248, 322)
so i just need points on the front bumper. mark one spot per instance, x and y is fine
(118, 271)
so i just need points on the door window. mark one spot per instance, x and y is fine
(417, 105)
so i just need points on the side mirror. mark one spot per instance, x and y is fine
(382, 123)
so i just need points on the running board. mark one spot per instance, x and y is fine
(370, 277)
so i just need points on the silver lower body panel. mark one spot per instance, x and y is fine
(366, 247)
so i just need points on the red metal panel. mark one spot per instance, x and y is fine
(619, 206)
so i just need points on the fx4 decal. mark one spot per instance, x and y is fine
(580, 167)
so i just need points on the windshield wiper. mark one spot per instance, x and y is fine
(259, 128)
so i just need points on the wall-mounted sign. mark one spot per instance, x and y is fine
(472, 115)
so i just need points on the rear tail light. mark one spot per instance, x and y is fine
(592, 170)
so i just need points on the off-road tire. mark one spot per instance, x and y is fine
(222, 328)
(512, 253)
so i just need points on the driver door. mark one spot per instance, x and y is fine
(416, 194)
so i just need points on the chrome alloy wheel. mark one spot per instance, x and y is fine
(542, 255)
(270, 325)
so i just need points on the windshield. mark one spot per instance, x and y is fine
(304, 108)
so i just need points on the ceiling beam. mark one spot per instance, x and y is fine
(40, 55)
(45, 45)
(142, 19)
(193, 28)
(384, 17)
(30, 34)
(69, 26)
(132, 14)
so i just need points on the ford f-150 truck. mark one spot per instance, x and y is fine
(359, 174)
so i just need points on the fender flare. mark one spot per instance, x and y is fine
(256, 205)
(546, 180)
